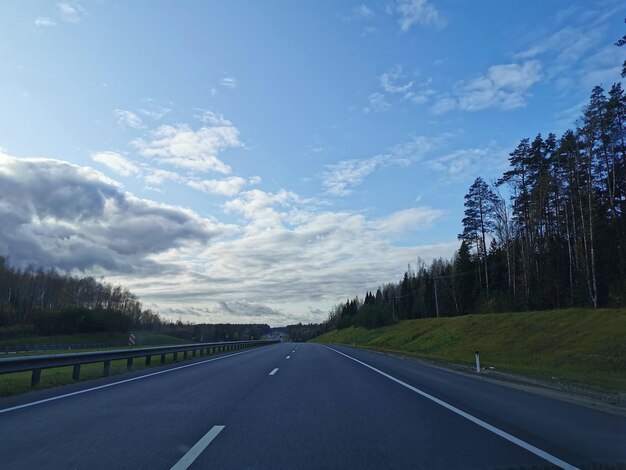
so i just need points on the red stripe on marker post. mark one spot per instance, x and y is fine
(131, 339)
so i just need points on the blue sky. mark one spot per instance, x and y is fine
(262, 161)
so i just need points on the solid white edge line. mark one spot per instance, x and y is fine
(79, 392)
(193, 453)
(274, 371)
(503, 434)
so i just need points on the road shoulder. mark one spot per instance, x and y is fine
(609, 401)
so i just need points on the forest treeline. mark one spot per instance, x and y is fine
(40, 302)
(549, 233)
(209, 332)
(45, 302)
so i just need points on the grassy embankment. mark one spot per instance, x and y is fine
(576, 345)
(11, 384)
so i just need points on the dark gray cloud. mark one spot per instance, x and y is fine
(56, 214)
(243, 308)
(232, 311)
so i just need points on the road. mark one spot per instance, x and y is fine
(299, 406)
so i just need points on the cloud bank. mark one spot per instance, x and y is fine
(56, 214)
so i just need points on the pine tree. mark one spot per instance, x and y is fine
(479, 220)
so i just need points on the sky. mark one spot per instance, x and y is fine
(245, 161)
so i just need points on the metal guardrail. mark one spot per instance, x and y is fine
(47, 361)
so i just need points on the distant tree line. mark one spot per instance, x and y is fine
(550, 233)
(304, 332)
(209, 332)
(38, 302)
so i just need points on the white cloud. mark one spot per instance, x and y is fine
(341, 178)
(155, 112)
(417, 12)
(392, 83)
(466, 164)
(154, 177)
(602, 68)
(258, 207)
(420, 96)
(225, 187)
(43, 21)
(128, 118)
(443, 105)
(295, 267)
(503, 86)
(388, 81)
(211, 118)
(228, 82)
(572, 51)
(377, 103)
(157, 176)
(291, 258)
(565, 47)
(415, 148)
(183, 147)
(71, 12)
(361, 12)
(408, 219)
(116, 162)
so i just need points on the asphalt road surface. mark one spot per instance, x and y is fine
(299, 406)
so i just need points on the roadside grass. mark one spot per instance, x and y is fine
(576, 345)
(77, 350)
(143, 338)
(12, 384)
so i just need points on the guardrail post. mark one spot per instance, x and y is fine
(129, 363)
(174, 356)
(148, 358)
(34, 380)
(162, 358)
(106, 368)
(76, 372)
(193, 353)
(185, 355)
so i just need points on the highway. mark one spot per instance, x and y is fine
(300, 406)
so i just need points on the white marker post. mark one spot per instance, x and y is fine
(477, 355)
